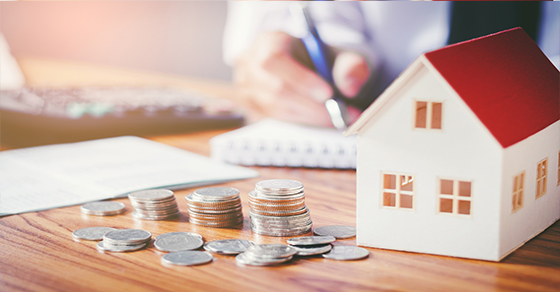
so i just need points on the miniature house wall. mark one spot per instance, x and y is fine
(432, 177)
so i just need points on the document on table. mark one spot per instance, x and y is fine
(46, 177)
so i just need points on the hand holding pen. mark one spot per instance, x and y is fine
(274, 79)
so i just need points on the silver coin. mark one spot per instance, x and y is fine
(311, 240)
(346, 253)
(338, 231)
(127, 236)
(151, 195)
(103, 208)
(91, 233)
(216, 193)
(273, 197)
(312, 250)
(281, 233)
(163, 235)
(152, 217)
(187, 258)
(103, 246)
(228, 246)
(178, 242)
(271, 250)
(246, 259)
(279, 185)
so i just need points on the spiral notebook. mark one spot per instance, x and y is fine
(275, 143)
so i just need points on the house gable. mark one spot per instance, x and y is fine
(506, 80)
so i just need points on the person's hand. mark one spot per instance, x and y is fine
(272, 81)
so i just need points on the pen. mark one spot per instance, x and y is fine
(319, 54)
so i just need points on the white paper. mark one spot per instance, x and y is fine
(53, 176)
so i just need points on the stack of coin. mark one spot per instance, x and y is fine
(215, 207)
(122, 240)
(156, 204)
(266, 254)
(278, 208)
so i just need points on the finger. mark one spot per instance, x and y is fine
(350, 73)
(299, 78)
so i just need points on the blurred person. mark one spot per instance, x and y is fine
(372, 42)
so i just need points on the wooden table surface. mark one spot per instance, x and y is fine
(38, 253)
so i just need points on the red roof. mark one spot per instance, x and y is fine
(506, 80)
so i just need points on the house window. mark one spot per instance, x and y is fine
(428, 115)
(518, 187)
(541, 177)
(455, 197)
(398, 191)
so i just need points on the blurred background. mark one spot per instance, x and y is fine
(178, 37)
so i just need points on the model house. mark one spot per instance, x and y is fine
(460, 155)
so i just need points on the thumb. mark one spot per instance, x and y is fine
(350, 73)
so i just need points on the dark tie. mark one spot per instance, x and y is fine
(474, 19)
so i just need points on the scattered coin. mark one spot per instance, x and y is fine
(312, 249)
(311, 240)
(278, 208)
(127, 236)
(103, 208)
(215, 207)
(187, 258)
(338, 231)
(91, 233)
(122, 240)
(247, 259)
(180, 232)
(346, 253)
(178, 242)
(158, 204)
(228, 246)
(271, 250)
(266, 254)
(102, 246)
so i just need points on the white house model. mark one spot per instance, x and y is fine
(460, 155)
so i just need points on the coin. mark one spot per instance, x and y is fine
(103, 246)
(312, 249)
(150, 195)
(187, 258)
(91, 233)
(127, 236)
(178, 242)
(271, 250)
(311, 240)
(246, 259)
(346, 253)
(338, 231)
(228, 246)
(283, 186)
(216, 193)
(163, 235)
(104, 208)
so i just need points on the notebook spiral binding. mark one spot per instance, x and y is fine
(274, 143)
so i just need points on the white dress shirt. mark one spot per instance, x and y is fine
(390, 33)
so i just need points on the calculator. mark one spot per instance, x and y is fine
(44, 115)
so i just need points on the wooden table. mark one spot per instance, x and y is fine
(37, 252)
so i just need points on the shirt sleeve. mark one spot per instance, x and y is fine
(340, 24)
